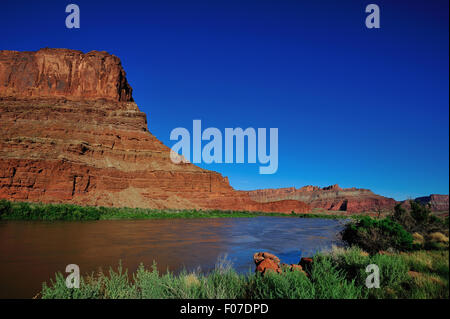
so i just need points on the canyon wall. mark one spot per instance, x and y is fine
(351, 200)
(332, 198)
(437, 203)
(71, 133)
(50, 73)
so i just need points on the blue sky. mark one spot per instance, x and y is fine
(357, 107)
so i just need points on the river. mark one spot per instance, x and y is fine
(31, 252)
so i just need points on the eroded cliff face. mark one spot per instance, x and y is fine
(333, 198)
(437, 203)
(50, 73)
(71, 133)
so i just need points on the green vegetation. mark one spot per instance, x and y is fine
(409, 247)
(403, 231)
(51, 212)
(416, 275)
(420, 219)
(337, 274)
(374, 235)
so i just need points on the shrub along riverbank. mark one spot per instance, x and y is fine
(336, 274)
(404, 230)
(52, 212)
(409, 247)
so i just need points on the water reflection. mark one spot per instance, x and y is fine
(31, 252)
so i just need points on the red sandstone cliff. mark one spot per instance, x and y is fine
(334, 198)
(437, 203)
(50, 73)
(70, 132)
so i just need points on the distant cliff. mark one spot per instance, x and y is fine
(333, 198)
(438, 203)
(352, 200)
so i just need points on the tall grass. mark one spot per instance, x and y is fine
(339, 274)
(418, 274)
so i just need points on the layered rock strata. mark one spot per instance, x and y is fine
(71, 133)
(332, 198)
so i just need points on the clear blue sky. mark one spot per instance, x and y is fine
(357, 107)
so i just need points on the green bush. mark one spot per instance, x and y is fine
(420, 213)
(5, 208)
(399, 212)
(419, 219)
(331, 282)
(48, 212)
(90, 288)
(353, 261)
(374, 235)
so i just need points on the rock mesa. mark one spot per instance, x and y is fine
(331, 198)
(71, 133)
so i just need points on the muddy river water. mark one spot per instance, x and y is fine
(31, 252)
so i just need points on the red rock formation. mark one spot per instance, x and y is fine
(71, 133)
(70, 74)
(334, 198)
(438, 203)
(266, 262)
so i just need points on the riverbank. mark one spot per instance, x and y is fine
(336, 274)
(52, 212)
(174, 243)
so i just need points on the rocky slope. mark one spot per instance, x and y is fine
(333, 198)
(72, 133)
(438, 203)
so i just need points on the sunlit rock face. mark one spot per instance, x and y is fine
(71, 133)
(50, 73)
(333, 198)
